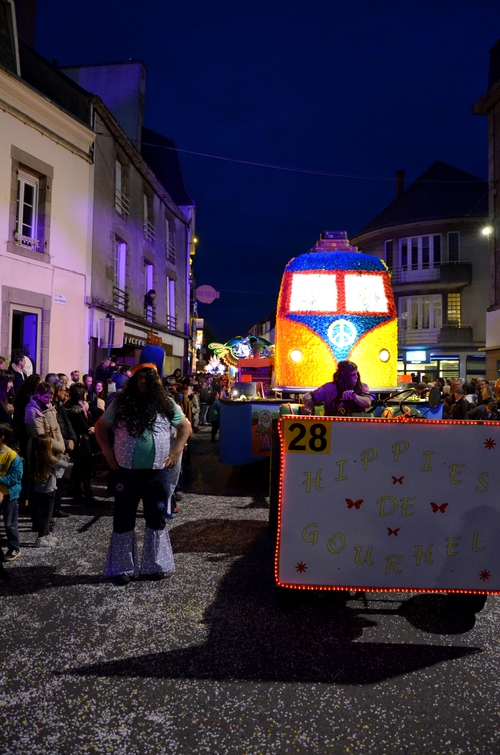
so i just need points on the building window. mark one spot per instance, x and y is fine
(170, 240)
(454, 246)
(27, 211)
(120, 295)
(30, 206)
(420, 312)
(171, 323)
(149, 307)
(419, 252)
(389, 254)
(121, 198)
(148, 220)
(454, 310)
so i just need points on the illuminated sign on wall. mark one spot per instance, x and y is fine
(416, 356)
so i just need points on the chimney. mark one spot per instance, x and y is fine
(400, 182)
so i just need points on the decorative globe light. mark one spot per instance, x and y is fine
(384, 355)
(296, 355)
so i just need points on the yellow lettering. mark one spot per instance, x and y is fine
(367, 560)
(420, 554)
(310, 480)
(427, 467)
(310, 537)
(455, 471)
(381, 503)
(483, 482)
(340, 465)
(392, 563)
(399, 447)
(452, 544)
(368, 455)
(331, 543)
(405, 505)
(474, 543)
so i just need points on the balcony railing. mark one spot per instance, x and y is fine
(450, 334)
(170, 252)
(121, 202)
(149, 231)
(120, 299)
(150, 313)
(440, 272)
(171, 322)
(424, 335)
(27, 242)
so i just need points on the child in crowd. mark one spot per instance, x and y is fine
(11, 474)
(44, 470)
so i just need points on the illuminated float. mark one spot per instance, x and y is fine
(335, 303)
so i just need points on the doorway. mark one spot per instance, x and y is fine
(25, 333)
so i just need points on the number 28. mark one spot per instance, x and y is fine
(307, 437)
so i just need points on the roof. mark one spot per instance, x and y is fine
(161, 155)
(441, 192)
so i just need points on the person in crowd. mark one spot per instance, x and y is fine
(45, 466)
(97, 400)
(122, 373)
(41, 418)
(484, 391)
(460, 406)
(63, 378)
(344, 396)
(83, 425)
(213, 415)
(75, 376)
(6, 408)
(487, 411)
(146, 464)
(496, 390)
(195, 408)
(17, 368)
(11, 475)
(470, 394)
(88, 382)
(69, 436)
(206, 398)
(440, 382)
(104, 370)
(175, 378)
(3, 365)
(21, 401)
(422, 389)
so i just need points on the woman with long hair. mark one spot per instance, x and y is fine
(146, 464)
(97, 400)
(344, 396)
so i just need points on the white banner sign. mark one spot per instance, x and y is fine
(405, 505)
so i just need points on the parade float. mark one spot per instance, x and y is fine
(367, 502)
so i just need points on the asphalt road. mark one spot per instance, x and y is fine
(217, 660)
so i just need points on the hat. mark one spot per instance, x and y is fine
(145, 366)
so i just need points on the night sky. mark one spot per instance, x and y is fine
(356, 90)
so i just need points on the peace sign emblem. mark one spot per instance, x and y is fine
(342, 333)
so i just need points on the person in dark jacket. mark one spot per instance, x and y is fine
(484, 412)
(83, 425)
(69, 437)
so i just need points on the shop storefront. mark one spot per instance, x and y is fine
(135, 337)
(433, 364)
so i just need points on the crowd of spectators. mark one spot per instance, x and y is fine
(48, 450)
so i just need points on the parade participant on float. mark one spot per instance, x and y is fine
(146, 464)
(344, 396)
